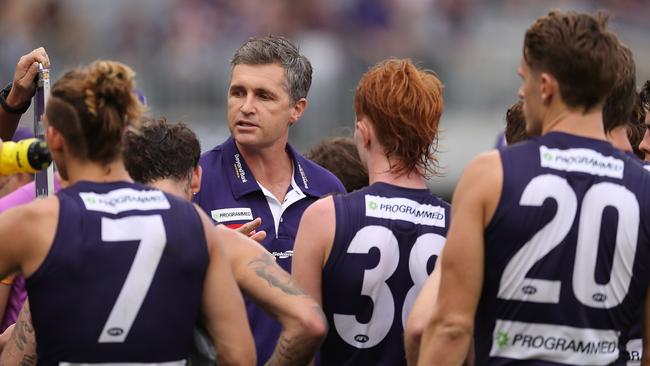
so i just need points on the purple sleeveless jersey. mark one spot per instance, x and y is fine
(566, 255)
(386, 243)
(123, 279)
(634, 346)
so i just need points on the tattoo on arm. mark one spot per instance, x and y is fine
(24, 332)
(290, 351)
(21, 348)
(296, 351)
(28, 360)
(265, 267)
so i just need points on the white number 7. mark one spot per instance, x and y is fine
(150, 231)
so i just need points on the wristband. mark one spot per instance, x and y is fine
(9, 109)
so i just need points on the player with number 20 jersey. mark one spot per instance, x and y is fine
(546, 259)
(564, 293)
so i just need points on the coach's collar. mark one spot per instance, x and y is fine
(242, 181)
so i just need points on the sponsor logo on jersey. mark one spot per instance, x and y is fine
(647, 167)
(303, 176)
(124, 199)
(581, 160)
(554, 343)
(232, 214)
(239, 170)
(283, 255)
(404, 209)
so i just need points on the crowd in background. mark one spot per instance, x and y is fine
(181, 49)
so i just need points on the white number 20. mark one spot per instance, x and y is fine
(150, 231)
(514, 284)
(366, 335)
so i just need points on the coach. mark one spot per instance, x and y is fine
(255, 172)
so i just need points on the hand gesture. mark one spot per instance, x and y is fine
(24, 85)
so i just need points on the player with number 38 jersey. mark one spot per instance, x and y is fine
(366, 255)
(386, 242)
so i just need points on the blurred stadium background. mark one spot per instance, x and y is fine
(181, 51)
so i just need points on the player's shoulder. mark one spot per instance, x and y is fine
(485, 164)
(481, 182)
(39, 208)
(322, 208)
(40, 213)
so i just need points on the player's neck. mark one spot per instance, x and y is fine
(94, 172)
(575, 122)
(379, 171)
(172, 186)
(268, 164)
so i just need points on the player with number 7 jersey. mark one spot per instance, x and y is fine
(366, 255)
(116, 273)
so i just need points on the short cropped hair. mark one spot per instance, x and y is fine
(278, 50)
(339, 155)
(579, 51)
(404, 104)
(160, 150)
(619, 105)
(515, 124)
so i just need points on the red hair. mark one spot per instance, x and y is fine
(404, 104)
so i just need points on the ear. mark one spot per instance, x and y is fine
(54, 139)
(195, 183)
(364, 129)
(297, 110)
(548, 87)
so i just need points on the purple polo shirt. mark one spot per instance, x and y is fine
(231, 195)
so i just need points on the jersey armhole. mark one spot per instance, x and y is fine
(339, 211)
(45, 265)
(505, 187)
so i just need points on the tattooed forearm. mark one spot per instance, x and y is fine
(300, 349)
(265, 267)
(24, 332)
(28, 360)
(21, 348)
(290, 351)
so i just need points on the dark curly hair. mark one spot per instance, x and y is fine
(160, 150)
(516, 124)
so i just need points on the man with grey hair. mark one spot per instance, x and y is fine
(255, 172)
